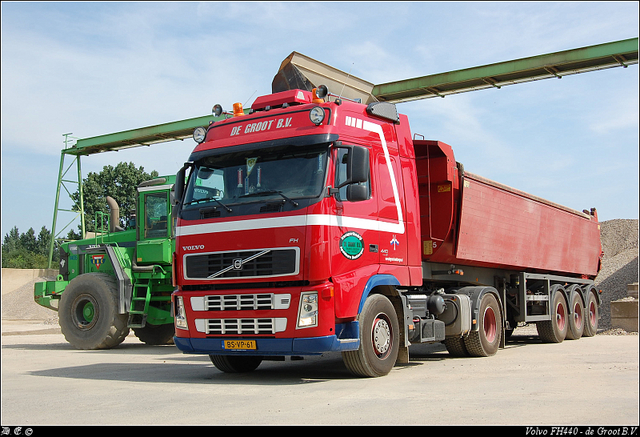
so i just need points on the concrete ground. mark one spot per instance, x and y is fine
(45, 381)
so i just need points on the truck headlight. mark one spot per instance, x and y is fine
(308, 310)
(181, 314)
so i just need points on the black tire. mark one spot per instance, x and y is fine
(155, 334)
(456, 347)
(592, 314)
(576, 319)
(88, 312)
(486, 340)
(555, 330)
(379, 339)
(235, 364)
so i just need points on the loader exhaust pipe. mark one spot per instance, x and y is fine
(114, 214)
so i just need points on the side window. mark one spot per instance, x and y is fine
(341, 175)
(155, 215)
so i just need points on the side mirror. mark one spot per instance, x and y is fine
(357, 193)
(178, 188)
(357, 165)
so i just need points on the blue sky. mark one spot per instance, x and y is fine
(98, 68)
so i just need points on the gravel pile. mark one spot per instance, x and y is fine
(619, 268)
(619, 263)
(19, 305)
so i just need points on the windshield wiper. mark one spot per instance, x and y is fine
(207, 199)
(267, 192)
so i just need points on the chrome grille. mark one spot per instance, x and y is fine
(239, 302)
(241, 326)
(243, 264)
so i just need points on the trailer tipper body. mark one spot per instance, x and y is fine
(316, 223)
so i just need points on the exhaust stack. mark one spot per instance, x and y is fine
(114, 215)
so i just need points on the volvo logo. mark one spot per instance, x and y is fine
(237, 263)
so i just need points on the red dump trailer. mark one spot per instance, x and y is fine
(315, 223)
(467, 219)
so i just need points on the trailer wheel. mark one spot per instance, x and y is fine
(576, 319)
(379, 339)
(592, 313)
(88, 313)
(486, 340)
(155, 334)
(555, 330)
(235, 364)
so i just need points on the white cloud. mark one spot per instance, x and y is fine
(96, 68)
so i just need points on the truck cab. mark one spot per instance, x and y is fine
(290, 217)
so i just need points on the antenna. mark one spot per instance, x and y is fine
(245, 103)
(345, 81)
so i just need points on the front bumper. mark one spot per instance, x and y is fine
(269, 346)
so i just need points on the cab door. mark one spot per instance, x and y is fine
(154, 244)
(354, 241)
(393, 245)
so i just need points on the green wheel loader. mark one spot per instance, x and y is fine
(118, 279)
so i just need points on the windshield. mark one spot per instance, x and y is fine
(284, 173)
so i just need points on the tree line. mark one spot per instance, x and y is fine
(26, 250)
(30, 251)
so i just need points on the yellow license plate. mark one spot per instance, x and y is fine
(239, 344)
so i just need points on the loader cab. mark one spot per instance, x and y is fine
(154, 227)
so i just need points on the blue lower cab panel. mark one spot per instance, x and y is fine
(268, 346)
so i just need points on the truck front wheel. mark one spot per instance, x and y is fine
(88, 312)
(235, 364)
(379, 339)
(155, 334)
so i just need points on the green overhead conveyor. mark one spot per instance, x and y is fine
(298, 69)
(615, 54)
(145, 136)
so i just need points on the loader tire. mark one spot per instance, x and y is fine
(88, 312)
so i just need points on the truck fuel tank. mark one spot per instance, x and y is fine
(456, 315)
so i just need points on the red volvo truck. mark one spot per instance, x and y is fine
(316, 223)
